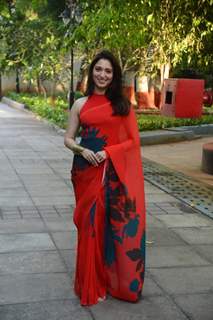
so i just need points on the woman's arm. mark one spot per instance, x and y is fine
(73, 127)
(72, 130)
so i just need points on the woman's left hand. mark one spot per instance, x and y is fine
(101, 156)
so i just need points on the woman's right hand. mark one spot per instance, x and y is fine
(90, 156)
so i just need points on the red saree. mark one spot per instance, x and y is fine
(110, 210)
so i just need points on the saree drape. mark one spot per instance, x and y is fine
(110, 206)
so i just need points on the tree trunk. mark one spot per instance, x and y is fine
(38, 82)
(82, 77)
(62, 85)
(81, 84)
(29, 86)
(144, 94)
(129, 86)
(53, 93)
(17, 81)
(0, 86)
(164, 72)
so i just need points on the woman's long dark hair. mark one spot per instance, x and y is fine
(120, 103)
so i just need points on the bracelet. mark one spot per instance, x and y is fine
(77, 149)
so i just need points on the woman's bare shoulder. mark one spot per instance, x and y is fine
(78, 104)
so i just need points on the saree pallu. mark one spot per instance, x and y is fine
(110, 209)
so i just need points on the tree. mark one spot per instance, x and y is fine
(116, 25)
(36, 47)
(175, 29)
(182, 32)
(147, 36)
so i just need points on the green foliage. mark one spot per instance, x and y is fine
(154, 122)
(42, 107)
(59, 115)
(177, 30)
(119, 26)
(183, 30)
(32, 38)
(78, 94)
(35, 39)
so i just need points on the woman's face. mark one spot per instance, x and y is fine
(102, 74)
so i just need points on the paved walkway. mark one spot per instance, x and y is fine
(185, 156)
(37, 238)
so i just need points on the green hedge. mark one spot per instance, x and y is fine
(59, 115)
(154, 122)
(42, 107)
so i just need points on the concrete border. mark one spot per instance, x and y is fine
(205, 129)
(12, 103)
(165, 136)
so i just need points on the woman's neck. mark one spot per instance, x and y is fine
(99, 91)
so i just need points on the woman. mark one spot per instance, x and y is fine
(108, 184)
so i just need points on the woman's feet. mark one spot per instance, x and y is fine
(100, 299)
